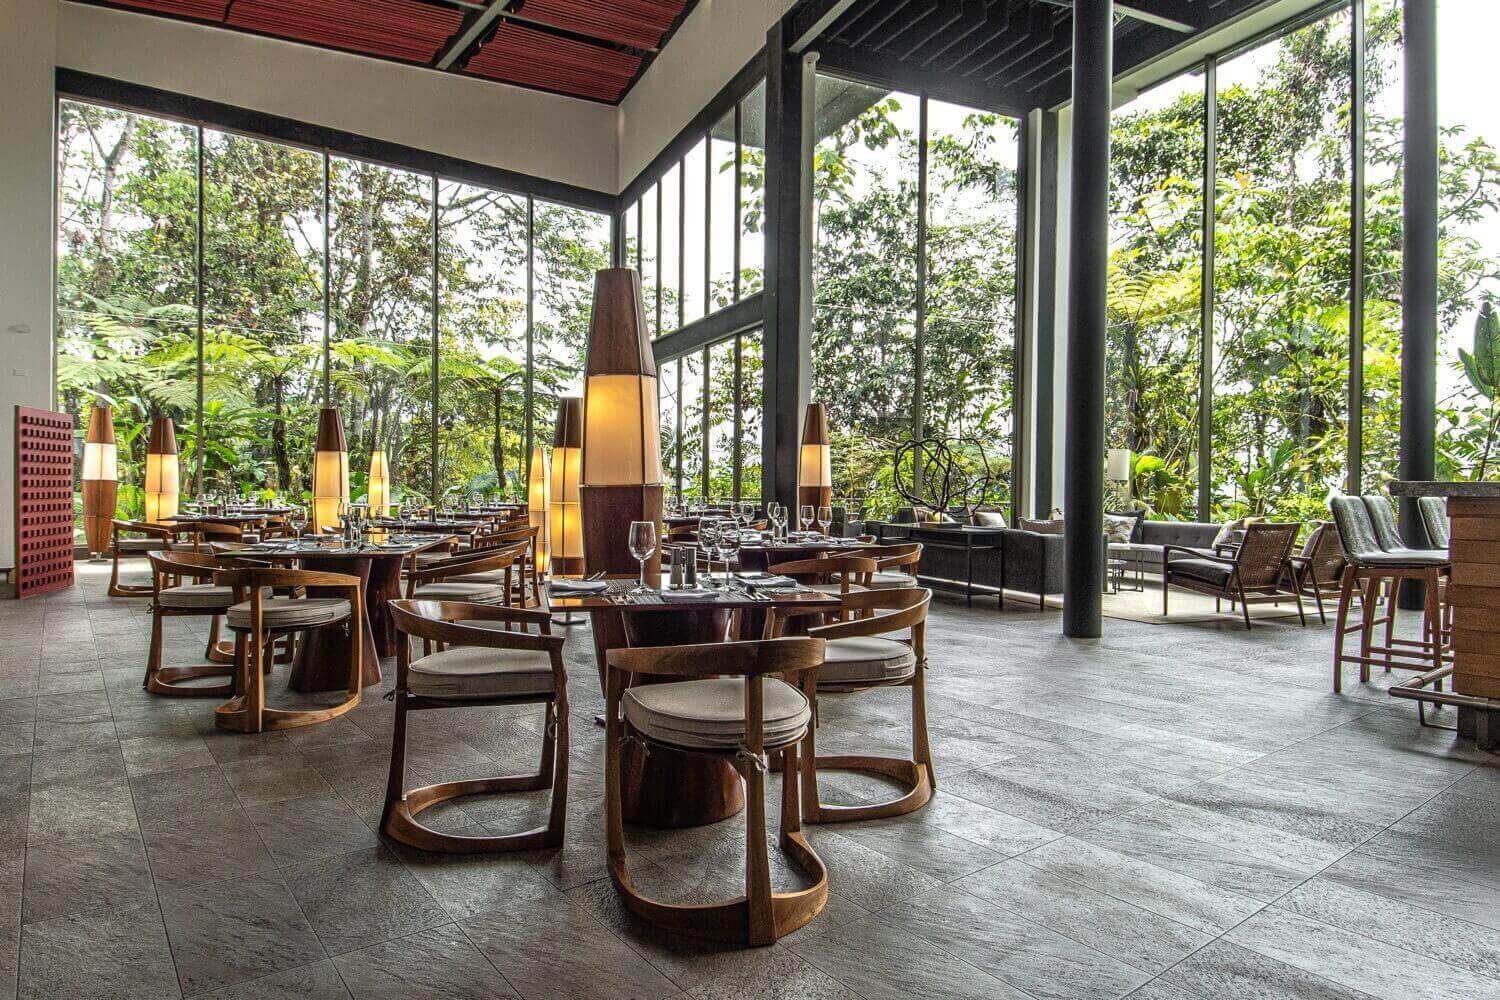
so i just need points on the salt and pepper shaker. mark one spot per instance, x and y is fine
(690, 569)
(679, 569)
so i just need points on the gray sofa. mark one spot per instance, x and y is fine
(1030, 562)
(1144, 550)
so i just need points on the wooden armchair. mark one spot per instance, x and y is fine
(477, 661)
(171, 598)
(1260, 571)
(156, 538)
(478, 576)
(530, 570)
(896, 565)
(721, 700)
(1319, 568)
(834, 574)
(257, 619)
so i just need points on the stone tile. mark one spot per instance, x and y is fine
(1177, 897)
(77, 765)
(1357, 962)
(437, 964)
(772, 974)
(166, 794)
(1223, 970)
(240, 929)
(105, 869)
(1454, 894)
(466, 885)
(53, 734)
(1454, 942)
(319, 826)
(551, 948)
(194, 848)
(928, 849)
(319, 981)
(264, 780)
(72, 813)
(115, 952)
(358, 899)
(153, 754)
(1137, 937)
(864, 876)
(881, 961)
(17, 738)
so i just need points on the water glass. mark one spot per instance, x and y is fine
(708, 537)
(728, 546)
(642, 541)
(825, 519)
(805, 516)
(777, 515)
(747, 512)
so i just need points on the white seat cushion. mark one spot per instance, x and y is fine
(834, 588)
(891, 581)
(197, 595)
(866, 659)
(481, 672)
(459, 590)
(494, 577)
(292, 612)
(710, 714)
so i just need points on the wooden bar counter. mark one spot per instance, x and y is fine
(1474, 588)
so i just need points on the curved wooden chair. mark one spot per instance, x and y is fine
(723, 703)
(157, 538)
(530, 571)
(896, 567)
(258, 619)
(832, 574)
(484, 663)
(170, 598)
(1319, 568)
(861, 655)
(478, 576)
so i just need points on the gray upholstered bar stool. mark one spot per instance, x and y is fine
(1363, 523)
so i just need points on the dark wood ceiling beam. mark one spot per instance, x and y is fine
(812, 19)
(1180, 16)
(996, 25)
(873, 19)
(877, 69)
(967, 18)
(908, 18)
(1060, 39)
(1038, 31)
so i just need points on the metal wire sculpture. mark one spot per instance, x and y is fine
(946, 481)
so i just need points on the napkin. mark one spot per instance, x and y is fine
(688, 595)
(764, 580)
(579, 586)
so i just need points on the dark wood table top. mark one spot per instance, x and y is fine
(397, 546)
(451, 527)
(216, 518)
(619, 598)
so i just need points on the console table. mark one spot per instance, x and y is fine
(960, 559)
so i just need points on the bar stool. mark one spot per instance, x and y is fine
(1371, 567)
(721, 700)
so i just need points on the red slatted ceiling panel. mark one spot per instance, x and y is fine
(203, 10)
(522, 55)
(396, 29)
(637, 23)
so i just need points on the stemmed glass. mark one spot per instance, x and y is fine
(643, 547)
(747, 512)
(825, 520)
(804, 516)
(298, 521)
(708, 537)
(728, 546)
(777, 515)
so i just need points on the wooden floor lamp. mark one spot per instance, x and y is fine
(622, 475)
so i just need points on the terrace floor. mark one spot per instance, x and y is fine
(1169, 813)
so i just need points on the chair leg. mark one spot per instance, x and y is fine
(1318, 596)
(1346, 597)
(1390, 620)
(395, 785)
(921, 746)
(1166, 588)
(762, 921)
(1244, 608)
(1367, 627)
(153, 657)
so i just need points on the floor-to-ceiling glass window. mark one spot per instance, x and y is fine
(666, 389)
(751, 411)
(695, 188)
(969, 323)
(482, 322)
(568, 246)
(127, 197)
(650, 248)
(1154, 305)
(381, 303)
(723, 235)
(263, 313)
(752, 190)
(692, 414)
(1468, 373)
(723, 390)
(1281, 275)
(865, 280)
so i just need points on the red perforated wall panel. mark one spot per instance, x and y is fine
(44, 501)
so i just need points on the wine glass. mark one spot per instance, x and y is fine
(747, 512)
(708, 537)
(825, 520)
(642, 546)
(728, 545)
(777, 515)
(805, 516)
(298, 519)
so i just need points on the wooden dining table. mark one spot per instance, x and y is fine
(664, 788)
(323, 652)
(763, 555)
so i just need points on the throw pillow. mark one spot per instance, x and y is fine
(1053, 527)
(1137, 518)
(1228, 531)
(1118, 529)
(989, 519)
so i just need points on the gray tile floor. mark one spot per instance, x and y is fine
(1167, 813)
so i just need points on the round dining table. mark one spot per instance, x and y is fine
(665, 788)
(323, 652)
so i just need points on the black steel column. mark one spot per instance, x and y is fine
(786, 344)
(1088, 268)
(1419, 271)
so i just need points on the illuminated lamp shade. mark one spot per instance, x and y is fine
(622, 476)
(100, 476)
(330, 470)
(815, 464)
(378, 487)
(538, 499)
(163, 484)
(564, 514)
